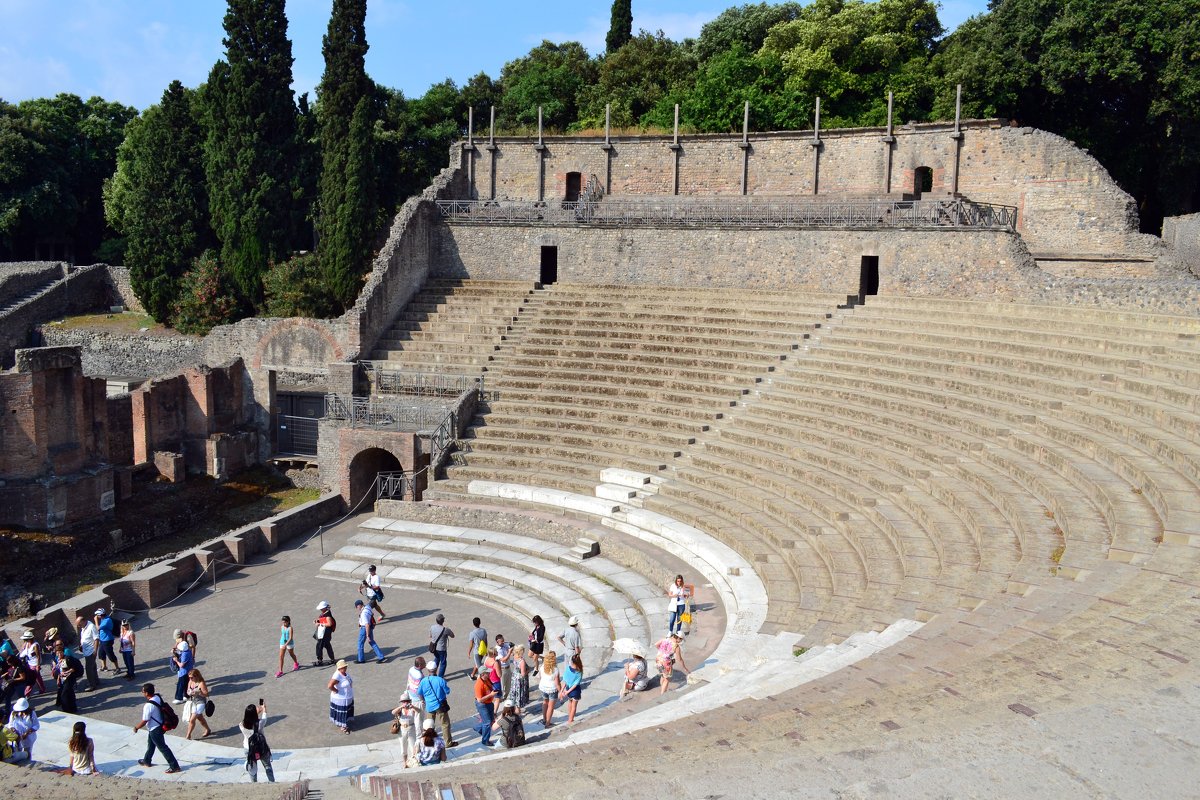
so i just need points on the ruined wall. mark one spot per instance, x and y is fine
(53, 441)
(939, 262)
(121, 289)
(19, 278)
(1182, 235)
(1067, 202)
(351, 458)
(134, 355)
(83, 289)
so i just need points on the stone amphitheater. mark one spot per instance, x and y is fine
(926, 436)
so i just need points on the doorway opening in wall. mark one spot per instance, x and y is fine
(868, 278)
(549, 270)
(922, 181)
(296, 423)
(574, 187)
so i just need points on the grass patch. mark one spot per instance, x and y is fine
(125, 322)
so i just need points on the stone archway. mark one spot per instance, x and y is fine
(365, 465)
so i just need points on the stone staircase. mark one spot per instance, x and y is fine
(452, 326)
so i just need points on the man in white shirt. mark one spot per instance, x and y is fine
(366, 632)
(152, 720)
(89, 638)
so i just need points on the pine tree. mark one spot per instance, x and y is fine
(157, 199)
(345, 110)
(250, 148)
(620, 29)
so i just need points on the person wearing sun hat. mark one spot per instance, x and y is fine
(571, 639)
(326, 625)
(431, 748)
(31, 654)
(24, 723)
(341, 697)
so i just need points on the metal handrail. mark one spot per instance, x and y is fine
(381, 413)
(388, 381)
(923, 214)
(392, 484)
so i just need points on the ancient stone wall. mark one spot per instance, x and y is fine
(350, 458)
(19, 278)
(83, 289)
(121, 288)
(134, 355)
(1066, 201)
(951, 262)
(1182, 235)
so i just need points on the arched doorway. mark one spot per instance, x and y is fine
(365, 465)
(922, 181)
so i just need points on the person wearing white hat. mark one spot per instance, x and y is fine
(432, 748)
(31, 654)
(341, 697)
(326, 625)
(668, 655)
(23, 722)
(571, 639)
(105, 636)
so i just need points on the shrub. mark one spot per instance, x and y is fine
(296, 288)
(205, 300)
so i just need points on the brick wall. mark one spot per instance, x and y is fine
(1067, 201)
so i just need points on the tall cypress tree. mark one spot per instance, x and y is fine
(157, 198)
(249, 153)
(346, 217)
(620, 28)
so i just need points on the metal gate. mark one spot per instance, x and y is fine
(297, 436)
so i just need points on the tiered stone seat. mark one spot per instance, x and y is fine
(452, 326)
(604, 376)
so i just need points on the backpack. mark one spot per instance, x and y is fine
(515, 735)
(191, 638)
(256, 747)
(170, 720)
(482, 649)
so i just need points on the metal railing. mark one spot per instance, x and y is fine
(395, 484)
(382, 413)
(738, 212)
(297, 435)
(423, 384)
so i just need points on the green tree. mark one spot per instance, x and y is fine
(55, 154)
(850, 53)
(157, 198)
(746, 26)
(715, 101)
(346, 218)
(296, 288)
(620, 27)
(251, 142)
(633, 79)
(1119, 78)
(551, 76)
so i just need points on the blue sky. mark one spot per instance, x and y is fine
(129, 50)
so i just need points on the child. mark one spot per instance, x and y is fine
(286, 645)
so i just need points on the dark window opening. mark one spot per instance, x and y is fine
(549, 270)
(868, 277)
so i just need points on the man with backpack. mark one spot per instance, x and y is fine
(157, 719)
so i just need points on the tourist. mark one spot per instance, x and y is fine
(415, 673)
(677, 595)
(23, 722)
(436, 692)
(88, 639)
(82, 751)
(478, 647)
(152, 721)
(549, 684)
(637, 676)
(341, 697)
(197, 700)
(504, 651)
(438, 634)
(31, 654)
(668, 654)
(254, 720)
(405, 718)
(183, 661)
(491, 670)
(537, 640)
(371, 589)
(67, 670)
(512, 730)
(326, 625)
(366, 632)
(105, 636)
(287, 644)
(128, 643)
(432, 749)
(485, 696)
(571, 640)
(193, 641)
(572, 686)
(18, 680)
(519, 693)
